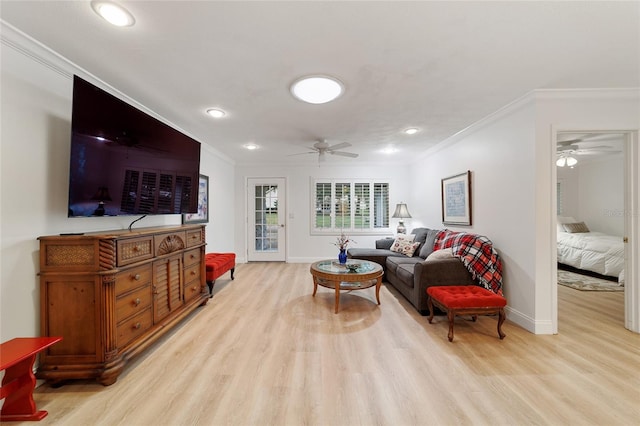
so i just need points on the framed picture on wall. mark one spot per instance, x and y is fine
(202, 215)
(456, 199)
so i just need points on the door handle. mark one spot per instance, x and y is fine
(282, 225)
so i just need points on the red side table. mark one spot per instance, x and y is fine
(17, 357)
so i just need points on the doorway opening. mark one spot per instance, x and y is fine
(593, 174)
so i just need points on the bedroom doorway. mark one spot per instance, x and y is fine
(593, 195)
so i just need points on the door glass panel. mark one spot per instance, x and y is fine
(266, 208)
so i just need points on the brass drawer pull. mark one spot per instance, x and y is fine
(136, 277)
(137, 326)
(137, 301)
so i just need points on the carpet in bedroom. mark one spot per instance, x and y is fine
(586, 283)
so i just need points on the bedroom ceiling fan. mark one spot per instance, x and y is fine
(589, 144)
(322, 148)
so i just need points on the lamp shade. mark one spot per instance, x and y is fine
(102, 194)
(401, 211)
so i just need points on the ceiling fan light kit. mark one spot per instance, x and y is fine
(566, 161)
(317, 89)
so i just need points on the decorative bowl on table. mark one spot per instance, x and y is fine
(352, 267)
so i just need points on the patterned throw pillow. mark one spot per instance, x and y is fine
(575, 228)
(404, 244)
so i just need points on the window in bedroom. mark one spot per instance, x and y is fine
(352, 206)
(559, 198)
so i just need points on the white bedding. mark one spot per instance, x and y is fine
(592, 251)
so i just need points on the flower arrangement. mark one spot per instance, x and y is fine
(342, 242)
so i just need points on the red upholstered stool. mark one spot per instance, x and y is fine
(216, 265)
(466, 300)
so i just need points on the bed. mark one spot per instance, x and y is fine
(590, 251)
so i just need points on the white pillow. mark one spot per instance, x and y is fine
(404, 244)
(440, 254)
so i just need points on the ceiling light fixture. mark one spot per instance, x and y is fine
(113, 13)
(411, 130)
(389, 150)
(251, 146)
(317, 89)
(566, 161)
(216, 113)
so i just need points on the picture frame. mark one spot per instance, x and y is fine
(202, 215)
(456, 199)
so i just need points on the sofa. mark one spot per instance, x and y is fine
(411, 275)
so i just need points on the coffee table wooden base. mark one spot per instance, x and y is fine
(346, 280)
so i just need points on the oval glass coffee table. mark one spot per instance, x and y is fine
(355, 275)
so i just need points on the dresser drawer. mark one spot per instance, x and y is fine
(194, 237)
(133, 250)
(192, 273)
(192, 257)
(133, 327)
(132, 278)
(192, 289)
(133, 303)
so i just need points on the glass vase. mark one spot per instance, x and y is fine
(342, 256)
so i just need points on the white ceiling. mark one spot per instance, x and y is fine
(439, 66)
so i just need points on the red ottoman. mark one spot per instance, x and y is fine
(217, 264)
(466, 300)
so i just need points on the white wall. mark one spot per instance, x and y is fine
(34, 158)
(498, 151)
(601, 195)
(301, 245)
(593, 192)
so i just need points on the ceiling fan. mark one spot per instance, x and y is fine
(586, 144)
(322, 148)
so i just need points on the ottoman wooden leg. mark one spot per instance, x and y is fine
(501, 318)
(451, 315)
(430, 306)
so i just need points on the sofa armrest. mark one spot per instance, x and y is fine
(441, 272)
(384, 243)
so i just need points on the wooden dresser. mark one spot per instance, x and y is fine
(112, 294)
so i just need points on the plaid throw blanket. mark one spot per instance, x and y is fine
(477, 254)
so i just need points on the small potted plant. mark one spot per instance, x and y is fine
(342, 242)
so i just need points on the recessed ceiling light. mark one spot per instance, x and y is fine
(388, 150)
(113, 13)
(317, 89)
(216, 113)
(411, 130)
(251, 146)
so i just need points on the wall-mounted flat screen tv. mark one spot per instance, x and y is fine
(125, 162)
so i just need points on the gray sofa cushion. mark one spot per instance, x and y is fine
(403, 267)
(430, 240)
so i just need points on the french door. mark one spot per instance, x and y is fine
(266, 208)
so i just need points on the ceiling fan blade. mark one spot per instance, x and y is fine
(302, 153)
(344, 154)
(339, 146)
(595, 151)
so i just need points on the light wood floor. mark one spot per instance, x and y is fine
(265, 352)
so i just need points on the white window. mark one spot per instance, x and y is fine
(350, 206)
